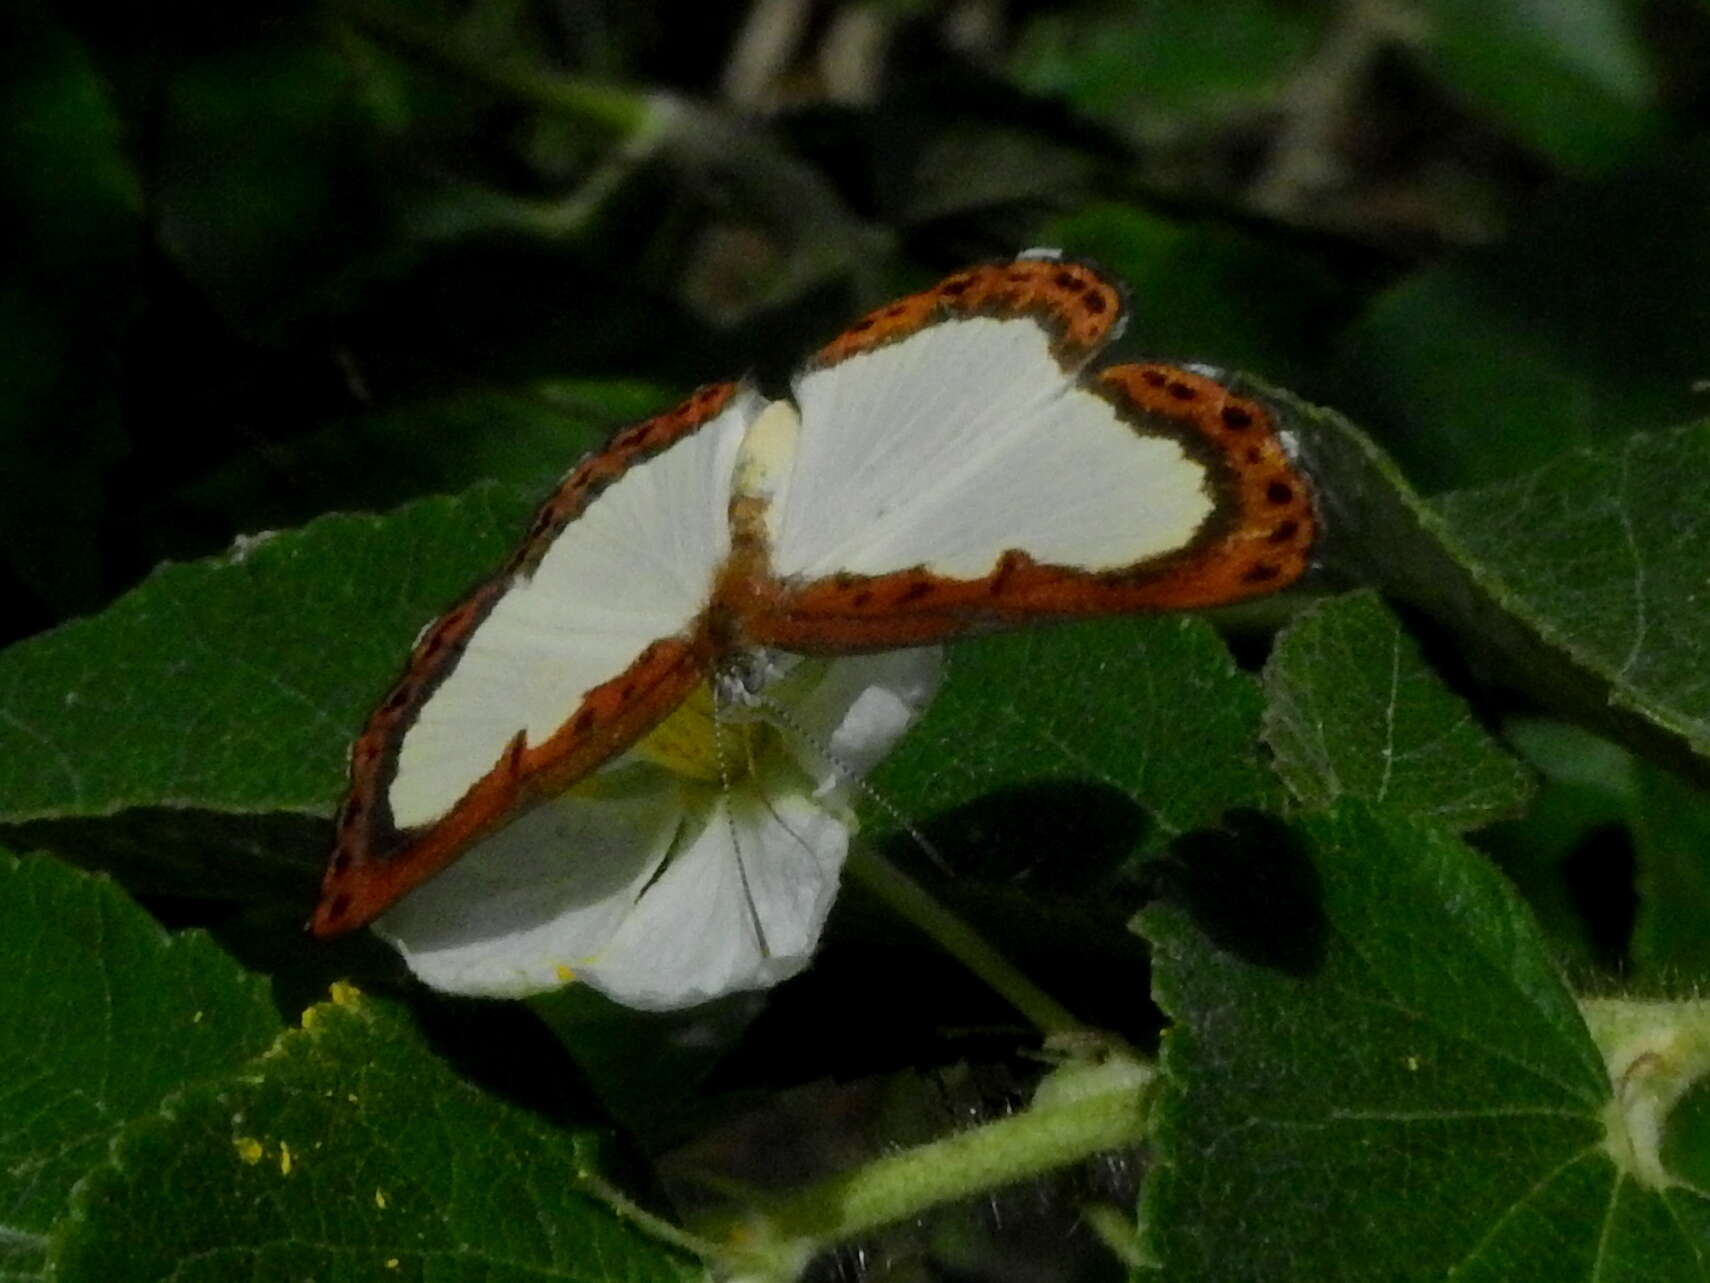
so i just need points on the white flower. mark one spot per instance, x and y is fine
(698, 864)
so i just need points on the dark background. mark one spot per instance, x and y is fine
(271, 260)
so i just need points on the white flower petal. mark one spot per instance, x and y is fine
(860, 708)
(539, 896)
(792, 853)
(740, 906)
(575, 889)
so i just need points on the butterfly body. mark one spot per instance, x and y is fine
(947, 465)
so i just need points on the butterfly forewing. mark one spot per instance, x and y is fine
(591, 636)
(906, 421)
(1259, 536)
(971, 473)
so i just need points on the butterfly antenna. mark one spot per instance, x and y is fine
(787, 720)
(728, 792)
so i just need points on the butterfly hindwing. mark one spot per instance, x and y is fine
(591, 634)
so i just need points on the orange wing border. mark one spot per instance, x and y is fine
(1078, 306)
(1257, 539)
(373, 862)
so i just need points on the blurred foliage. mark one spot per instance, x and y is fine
(244, 238)
(271, 262)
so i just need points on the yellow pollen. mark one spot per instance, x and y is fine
(248, 1148)
(691, 741)
(344, 994)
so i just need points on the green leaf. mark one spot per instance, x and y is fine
(1492, 363)
(1602, 553)
(1373, 1061)
(1578, 583)
(1100, 731)
(1686, 1152)
(1170, 58)
(1355, 712)
(1052, 758)
(230, 688)
(1585, 99)
(351, 1151)
(105, 1015)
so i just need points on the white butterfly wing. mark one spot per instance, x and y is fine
(966, 439)
(590, 636)
(637, 565)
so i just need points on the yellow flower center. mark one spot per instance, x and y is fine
(695, 743)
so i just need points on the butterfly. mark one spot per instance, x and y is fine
(952, 463)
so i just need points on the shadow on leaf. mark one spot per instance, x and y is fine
(1252, 888)
(1056, 835)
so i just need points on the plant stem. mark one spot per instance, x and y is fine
(1655, 1053)
(1109, 1109)
(909, 900)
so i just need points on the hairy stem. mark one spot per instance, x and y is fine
(1080, 1111)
